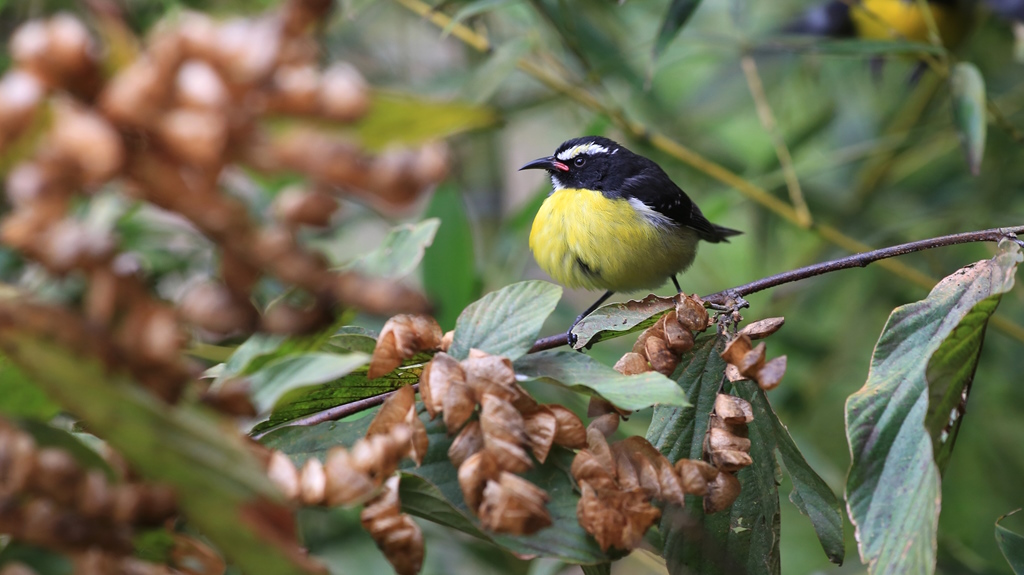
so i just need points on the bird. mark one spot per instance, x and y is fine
(614, 220)
(885, 20)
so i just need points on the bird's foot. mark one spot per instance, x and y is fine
(570, 338)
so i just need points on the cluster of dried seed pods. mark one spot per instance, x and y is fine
(365, 474)
(401, 338)
(747, 361)
(490, 450)
(48, 499)
(727, 447)
(660, 346)
(167, 121)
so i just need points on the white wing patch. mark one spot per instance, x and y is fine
(589, 149)
(653, 217)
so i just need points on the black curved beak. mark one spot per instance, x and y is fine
(549, 163)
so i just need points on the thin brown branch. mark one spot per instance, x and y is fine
(854, 261)
(334, 413)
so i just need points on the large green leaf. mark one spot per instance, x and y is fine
(450, 278)
(505, 322)
(583, 373)
(432, 490)
(297, 371)
(1011, 544)
(900, 424)
(220, 486)
(679, 11)
(967, 92)
(744, 538)
(619, 319)
(400, 252)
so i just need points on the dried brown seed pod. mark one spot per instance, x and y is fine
(396, 534)
(474, 473)
(56, 474)
(344, 94)
(194, 136)
(632, 363)
(736, 349)
(469, 441)
(431, 164)
(283, 474)
(752, 362)
(499, 419)
(312, 482)
(511, 455)
(570, 432)
(95, 497)
(135, 95)
(662, 359)
(730, 460)
(719, 439)
(295, 206)
(378, 455)
(211, 306)
(615, 518)
(587, 467)
(88, 140)
(446, 341)
(678, 338)
(440, 372)
(607, 424)
(21, 93)
(459, 405)
(541, 427)
(393, 411)
(769, 376)
(486, 373)
(763, 328)
(402, 337)
(722, 492)
(690, 313)
(597, 444)
(345, 485)
(694, 475)
(198, 85)
(513, 505)
(296, 90)
(733, 410)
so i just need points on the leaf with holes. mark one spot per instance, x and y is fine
(619, 319)
(902, 424)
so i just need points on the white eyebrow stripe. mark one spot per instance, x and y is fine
(590, 149)
(653, 217)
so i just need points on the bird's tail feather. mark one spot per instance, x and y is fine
(723, 234)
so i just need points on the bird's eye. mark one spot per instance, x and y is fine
(580, 161)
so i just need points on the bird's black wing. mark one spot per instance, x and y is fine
(656, 190)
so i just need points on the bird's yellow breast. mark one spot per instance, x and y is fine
(903, 19)
(583, 239)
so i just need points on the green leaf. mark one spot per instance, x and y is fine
(1011, 544)
(216, 477)
(400, 252)
(450, 278)
(261, 349)
(505, 322)
(432, 490)
(352, 387)
(20, 397)
(899, 424)
(581, 372)
(410, 120)
(679, 12)
(967, 92)
(297, 371)
(745, 538)
(619, 319)
(811, 495)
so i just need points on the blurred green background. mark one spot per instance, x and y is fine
(876, 154)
